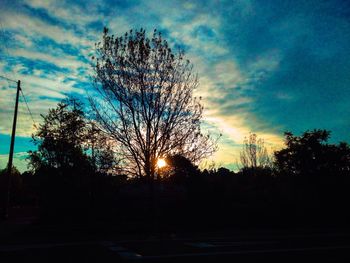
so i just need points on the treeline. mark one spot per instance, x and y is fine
(75, 176)
(186, 199)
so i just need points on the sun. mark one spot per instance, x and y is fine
(161, 163)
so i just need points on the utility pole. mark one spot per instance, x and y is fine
(9, 167)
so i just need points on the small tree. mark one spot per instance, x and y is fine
(146, 101)
(254, 153)
(60, 138)
(67, 139)
(69, 154)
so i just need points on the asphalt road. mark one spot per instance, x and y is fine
(271, 246)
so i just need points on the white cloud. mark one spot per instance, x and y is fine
(219, 78)
(41, 93)
(219, 72)
(68, 11)
(63, 61)
(34, 27)
(267, 61)
(234, 129)
(183, 31)
(117, 25)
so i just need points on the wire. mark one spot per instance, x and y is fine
(8, 79)
(30, 112)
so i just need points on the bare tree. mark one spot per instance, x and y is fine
(146, 101)
(254, 153)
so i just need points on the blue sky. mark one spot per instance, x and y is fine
(264, 66)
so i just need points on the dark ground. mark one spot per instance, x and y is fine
(23, 239)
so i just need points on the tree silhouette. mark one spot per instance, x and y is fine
(146, 101)
(310, 154)
(181, 168)
(70, 155)
(60, 139)
(254, 153)
(67, 139)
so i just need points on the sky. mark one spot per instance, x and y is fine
(264, 66)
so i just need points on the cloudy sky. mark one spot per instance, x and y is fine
(264, 66)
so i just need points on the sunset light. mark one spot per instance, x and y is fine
(161, 163)
(174, 130)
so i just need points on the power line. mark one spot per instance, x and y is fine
(8, 79)
(25, 100)
(30, 112)
(24, 97)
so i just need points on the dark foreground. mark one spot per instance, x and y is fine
(35, 243)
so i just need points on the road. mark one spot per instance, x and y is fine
(230, 246)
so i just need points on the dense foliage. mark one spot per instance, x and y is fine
(311, 155)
